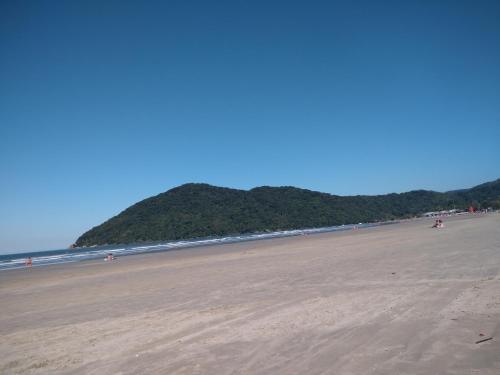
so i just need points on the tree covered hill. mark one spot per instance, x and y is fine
(201, 210)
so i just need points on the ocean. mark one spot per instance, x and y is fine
(49, 257)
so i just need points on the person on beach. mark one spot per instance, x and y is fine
(438, 224)
(29, 262)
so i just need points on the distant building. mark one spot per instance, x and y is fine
(440, 213)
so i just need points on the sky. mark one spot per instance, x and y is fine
(105, 103)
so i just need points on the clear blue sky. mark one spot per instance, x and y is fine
(104, 103)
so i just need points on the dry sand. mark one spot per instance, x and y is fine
(401, 299)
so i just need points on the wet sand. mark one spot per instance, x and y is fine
(399, 299)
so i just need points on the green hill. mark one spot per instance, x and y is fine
(201, 210)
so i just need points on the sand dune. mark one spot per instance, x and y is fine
(400, 299)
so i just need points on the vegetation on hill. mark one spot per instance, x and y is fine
(201, 210)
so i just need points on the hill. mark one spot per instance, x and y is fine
(201, 210)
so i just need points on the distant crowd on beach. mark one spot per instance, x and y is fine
(29, 261)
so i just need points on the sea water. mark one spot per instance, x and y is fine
(44, 258)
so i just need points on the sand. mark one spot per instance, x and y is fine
(399, 299)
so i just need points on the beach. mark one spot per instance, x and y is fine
(396, 299)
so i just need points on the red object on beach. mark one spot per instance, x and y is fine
(29, 262)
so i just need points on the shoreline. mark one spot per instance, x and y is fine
(85, 254)
(43, 258)
(228, 248)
